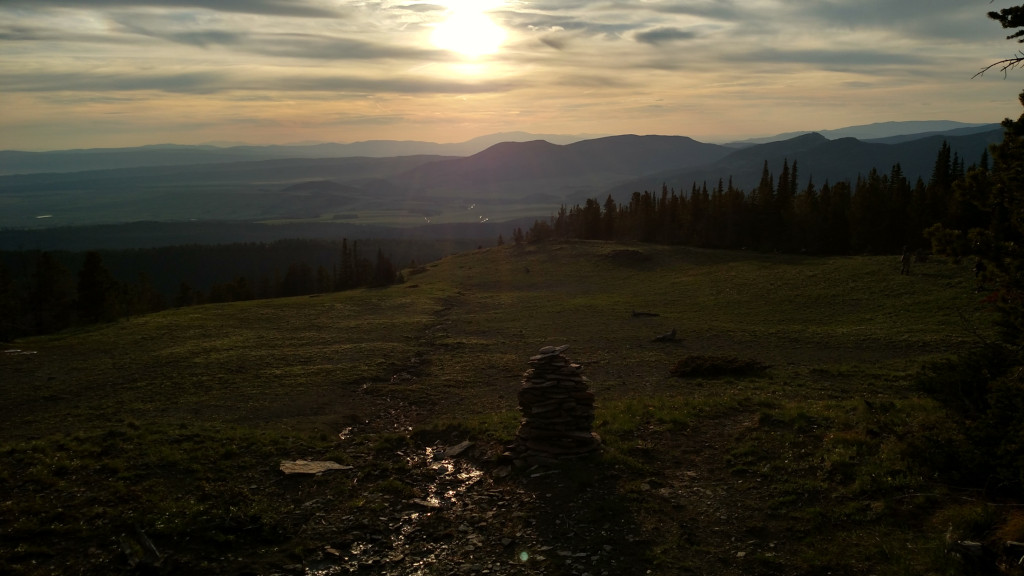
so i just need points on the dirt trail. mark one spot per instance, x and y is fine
(468, 515)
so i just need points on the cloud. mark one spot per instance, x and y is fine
(593, 81)
(946, 20)
(284, 45)
(216, 81)
(714, 9)
(200, 38)
(187, 82)
(16, 33)
(298, 8)
(598, 63)
(830, 58)
(658, 36)
(422, 7)
(312, 46)
(392, 85)
(587, 26)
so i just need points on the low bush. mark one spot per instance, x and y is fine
(699, 366)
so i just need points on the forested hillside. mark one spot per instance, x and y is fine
(46, 291)
(880, 212)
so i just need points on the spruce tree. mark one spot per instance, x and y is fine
(97, 290)
(608, 218)
(985, 386)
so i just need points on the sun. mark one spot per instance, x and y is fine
(469, 31)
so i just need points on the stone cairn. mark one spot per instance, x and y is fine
(557, 409)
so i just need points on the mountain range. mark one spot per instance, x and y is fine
(822, 160)
(882, 132)
(22, 162)
(505, 181)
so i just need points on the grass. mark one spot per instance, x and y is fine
(174, 423)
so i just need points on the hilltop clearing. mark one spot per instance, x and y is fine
(792, 440)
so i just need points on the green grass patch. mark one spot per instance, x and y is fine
(175, 423)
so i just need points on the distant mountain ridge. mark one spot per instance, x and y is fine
(899, 138)
(20, 162)
(910, 129)
(819, 158)
(585, 163)
(505, 181)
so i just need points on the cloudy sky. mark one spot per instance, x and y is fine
(102, 73)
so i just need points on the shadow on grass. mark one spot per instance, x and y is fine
(584, 521)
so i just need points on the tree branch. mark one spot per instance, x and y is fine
(1004, 65)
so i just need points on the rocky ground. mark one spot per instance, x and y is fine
(463, 509)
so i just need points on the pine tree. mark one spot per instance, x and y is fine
(97, 290)
(384, 272)
(1012, 17)
(51, 296)
(985, 385)
(324, 283)
(11, 306)
(186, 296)
(608, 218)
(763, 198)
(346, 268)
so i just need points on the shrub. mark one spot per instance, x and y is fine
(699, 366)
(985, 399)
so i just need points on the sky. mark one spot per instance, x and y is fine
(113, 73)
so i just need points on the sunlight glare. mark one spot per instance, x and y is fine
(469, 31)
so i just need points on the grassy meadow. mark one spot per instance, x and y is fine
(153, 444)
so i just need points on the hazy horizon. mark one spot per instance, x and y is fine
(113, 73)
(562, 138)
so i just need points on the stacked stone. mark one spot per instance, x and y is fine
(557, 409)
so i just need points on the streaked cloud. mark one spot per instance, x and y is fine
(701, 68)
(299, 8)
(216, 81)
(658, 36)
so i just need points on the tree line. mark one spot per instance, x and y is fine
(40, 294)
(882, 212)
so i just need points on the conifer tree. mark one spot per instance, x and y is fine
(1012, 17)
(986, 385)
(51, 295)
(11, 315)
(346, 268)
(608, 218)
(97, 290)
(763, 197)
(186, 295)
(384, 273)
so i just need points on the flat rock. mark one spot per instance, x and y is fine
(310, 466)
(554, 349)
(453, 451)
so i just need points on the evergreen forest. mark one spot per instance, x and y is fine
(880, 213)
(47, 291)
